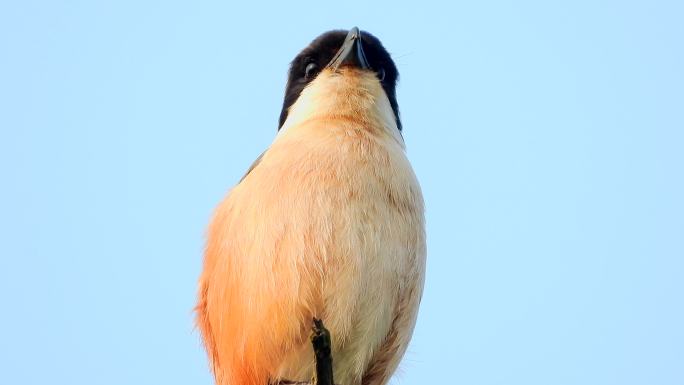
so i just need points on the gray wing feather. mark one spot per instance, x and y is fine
(254, 164)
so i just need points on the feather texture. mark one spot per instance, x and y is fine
(328, 224)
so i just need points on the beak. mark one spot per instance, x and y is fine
(351, 53)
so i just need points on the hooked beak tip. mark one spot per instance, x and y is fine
(351, 53)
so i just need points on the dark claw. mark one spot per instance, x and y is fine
(320, 339)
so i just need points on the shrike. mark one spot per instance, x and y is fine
(327, 223)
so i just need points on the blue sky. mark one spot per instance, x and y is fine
(548, 138)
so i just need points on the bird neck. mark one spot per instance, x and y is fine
(351, 95)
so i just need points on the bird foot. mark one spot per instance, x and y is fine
(322, 347)
(320, 340)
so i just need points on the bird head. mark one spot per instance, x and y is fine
(342, 74)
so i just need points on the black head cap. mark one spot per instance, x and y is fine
(321, 52)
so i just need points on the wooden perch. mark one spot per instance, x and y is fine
(322, 347)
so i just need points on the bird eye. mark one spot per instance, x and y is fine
(310, 70)
(381, 74)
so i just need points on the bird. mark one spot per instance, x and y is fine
(328, 223)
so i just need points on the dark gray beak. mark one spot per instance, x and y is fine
(351, 53)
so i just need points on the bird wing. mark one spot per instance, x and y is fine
(254, 164)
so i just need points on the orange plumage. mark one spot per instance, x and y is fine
(328, 224)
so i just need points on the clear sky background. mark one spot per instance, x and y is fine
(548, 138)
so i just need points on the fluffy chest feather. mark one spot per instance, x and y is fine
(355, 197)
(330, 225)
